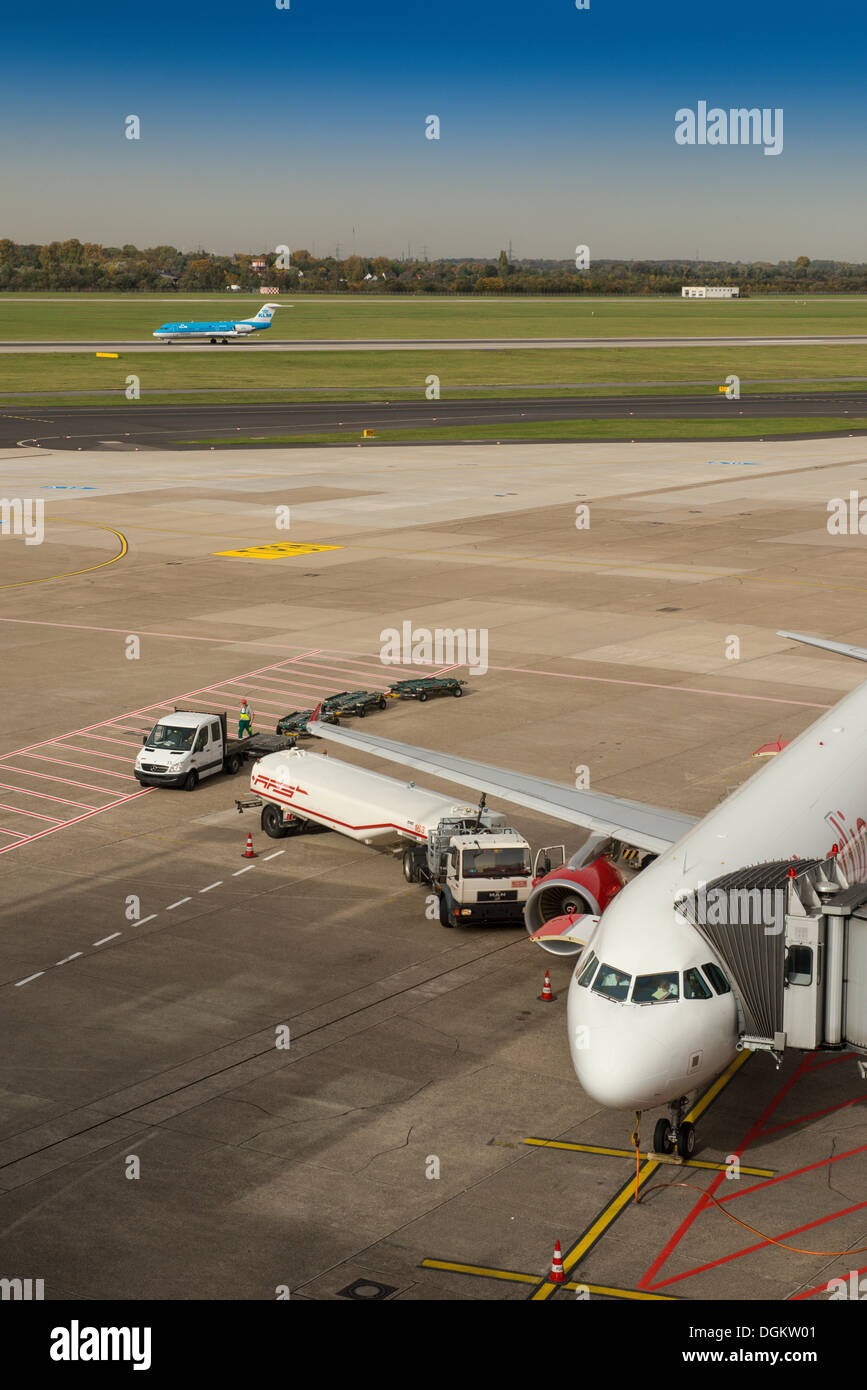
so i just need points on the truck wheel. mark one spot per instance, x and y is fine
(382, 702)
(409, 866)
(422, 695)
(233, 764)
(445, 920)
(272, 822)
(360, 711)
(458, 692)
(190, 781)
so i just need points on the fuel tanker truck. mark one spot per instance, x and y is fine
(478, 866)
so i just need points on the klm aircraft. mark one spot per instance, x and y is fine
(219, 332)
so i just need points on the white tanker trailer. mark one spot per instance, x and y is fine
(478, 865)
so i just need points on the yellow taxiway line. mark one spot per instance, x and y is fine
(513, 1276)
(650, 1156)
(23, 583)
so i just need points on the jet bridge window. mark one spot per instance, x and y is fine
(694, 986)
(799, 965)
(611, 982)
(656, 989)
(717, 978)
(587, 973)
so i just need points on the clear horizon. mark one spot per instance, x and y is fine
(307, 127)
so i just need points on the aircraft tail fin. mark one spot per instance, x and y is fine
(842, 648)
(265, 314)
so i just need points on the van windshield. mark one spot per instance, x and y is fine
(171, 736)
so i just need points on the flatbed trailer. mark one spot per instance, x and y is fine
(426, 687)
(354, 702)
(296, 723)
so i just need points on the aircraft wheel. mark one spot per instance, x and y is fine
(213, 340)
(686, 1140)
(661, 1138)
(225, 341)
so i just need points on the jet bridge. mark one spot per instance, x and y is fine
(793, 937)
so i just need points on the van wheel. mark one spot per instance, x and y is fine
(272, 822)
(445, 920)
(191, 781)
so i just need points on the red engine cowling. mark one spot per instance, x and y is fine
(565, 891)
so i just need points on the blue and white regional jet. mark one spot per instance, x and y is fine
(221, 331)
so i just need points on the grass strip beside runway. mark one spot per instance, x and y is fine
(562, 430)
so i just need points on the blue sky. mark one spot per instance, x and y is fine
(262, 126)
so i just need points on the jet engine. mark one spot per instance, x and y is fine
(570, 890)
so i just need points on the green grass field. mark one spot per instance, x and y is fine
(89, 317)
(383, 375)
(566, 430)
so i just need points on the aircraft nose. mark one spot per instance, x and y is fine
(621, 1056)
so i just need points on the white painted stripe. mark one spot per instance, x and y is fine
(243, 871)
(145, 919)
(67, 959)
(177, 904)
(29, 978)
(103, 939)
(273, 856)
(210, 886)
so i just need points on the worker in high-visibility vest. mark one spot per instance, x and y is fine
(245, 720)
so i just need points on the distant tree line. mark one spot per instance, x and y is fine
(76, 265)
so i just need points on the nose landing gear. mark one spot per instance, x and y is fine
(675, 1133)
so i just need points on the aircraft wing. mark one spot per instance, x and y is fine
(843, 648)
(647, 827)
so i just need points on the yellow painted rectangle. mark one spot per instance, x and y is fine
(279, 551)
(108, 354)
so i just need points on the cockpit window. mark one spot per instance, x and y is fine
(587, 973)
(611, 982)
(717, 978)
(656, 989)
(694, 986)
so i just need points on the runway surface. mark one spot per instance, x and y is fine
(140, 425)
(439, 344)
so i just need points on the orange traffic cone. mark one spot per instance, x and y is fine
(557, 1276)
(547, 997)
(249, 852)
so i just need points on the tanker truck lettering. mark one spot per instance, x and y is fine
(478, 866)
